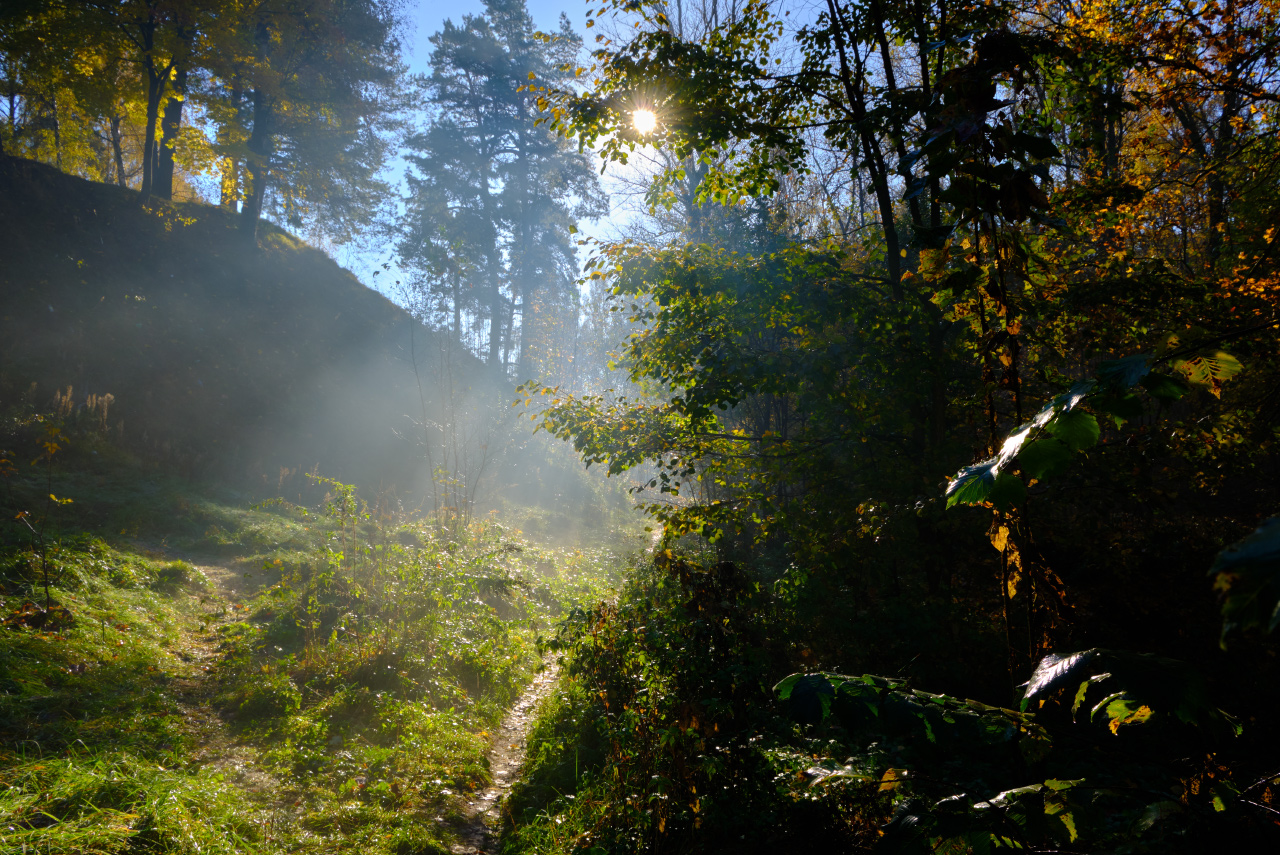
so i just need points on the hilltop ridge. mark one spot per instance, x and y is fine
(247, 365)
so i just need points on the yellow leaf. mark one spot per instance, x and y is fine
(891, 778)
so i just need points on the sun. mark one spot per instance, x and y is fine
(644, 121)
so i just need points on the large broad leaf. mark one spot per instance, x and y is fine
(1045, 458)
(1078, 429)
(1055, 672)
(1247, 578)
(1130, 689)
(1163, 387)
(975, 484)
(808, 696)
(1007, 492)
(1211, 369)
(1121, 406)
(972, 484)
(1124, 373)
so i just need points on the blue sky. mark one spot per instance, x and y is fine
(424, 21)
(430, 14)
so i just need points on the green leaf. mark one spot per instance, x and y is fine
(1122, 406)
(1163, 387)
(973, 484)
(1136, 687)
(1124, 373)
(1007, 492)
(785, 685)
(1045, 458)
(1078, 429)
(808, 697)
(1247, 579)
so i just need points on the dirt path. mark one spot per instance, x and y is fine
(221, 750)
(217, 747)
(506, 756)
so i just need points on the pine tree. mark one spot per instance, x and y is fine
(495, 194)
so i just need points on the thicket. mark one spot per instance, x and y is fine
(966, 363)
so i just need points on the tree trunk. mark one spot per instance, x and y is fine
(258, 164)
(496, 314)
(156, 77)
(169, 127)
(57, 135)
(117, 149)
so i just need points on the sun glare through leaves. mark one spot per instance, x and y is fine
(644, 121)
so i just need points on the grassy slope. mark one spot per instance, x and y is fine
(333, 688)
(223, 360)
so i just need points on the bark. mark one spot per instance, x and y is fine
(169, 127)
(258, 165)
(117, 150)
(156, 77)
(851, 80)
(57, 136)
(496, 314)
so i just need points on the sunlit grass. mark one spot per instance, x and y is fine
(356, 691)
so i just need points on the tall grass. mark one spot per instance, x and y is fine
(338, 697)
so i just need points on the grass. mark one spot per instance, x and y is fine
(94, 735)
(215, 677)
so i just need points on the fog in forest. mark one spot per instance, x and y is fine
(670, 426)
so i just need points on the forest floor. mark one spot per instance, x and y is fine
(222, 750)
(506, 757)
(227, 679)
(218, 747)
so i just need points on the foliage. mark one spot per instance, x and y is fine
(359, 684)
(1245, 577)
(495, 196)
(1112, 391)
(1017, 288)
(297, 94)
(648, 746)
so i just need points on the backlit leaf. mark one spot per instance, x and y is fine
(1055, 672)
(973, 484)
(1078, 429)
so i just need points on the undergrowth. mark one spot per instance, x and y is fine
(676, 728)
(206, 676)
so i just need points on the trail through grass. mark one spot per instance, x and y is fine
(223, 679)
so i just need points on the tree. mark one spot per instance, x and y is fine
(997, 275)
(318, 81)
(495, 194)
(293, 96)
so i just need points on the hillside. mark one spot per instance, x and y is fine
(223, 361)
